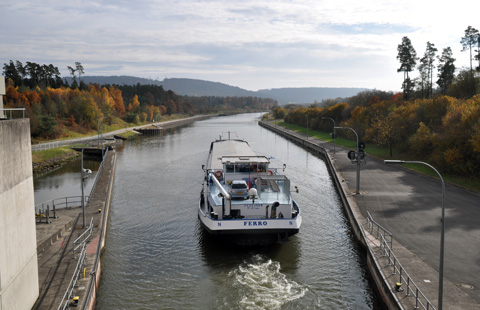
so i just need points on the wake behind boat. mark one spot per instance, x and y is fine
(244, 198)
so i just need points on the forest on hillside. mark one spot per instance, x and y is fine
(56, 109)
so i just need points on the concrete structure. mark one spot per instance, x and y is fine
(2, 92)
(18, 248)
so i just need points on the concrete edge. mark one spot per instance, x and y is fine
(94, 281)
(44, 245)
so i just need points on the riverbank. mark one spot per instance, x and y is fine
(405, 204)
(48, 160)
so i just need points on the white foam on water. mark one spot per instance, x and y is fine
(261, 285)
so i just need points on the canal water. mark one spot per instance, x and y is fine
(65, 181)
(158, 257)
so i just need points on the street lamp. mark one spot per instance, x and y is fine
(98, 134)
(357, 158)
(442, 237)
(84, 176)
(334, 134)
(307, 125)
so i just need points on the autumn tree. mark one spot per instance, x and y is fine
(408, 59)
(446, 69)
(385, 131)
(134, 105)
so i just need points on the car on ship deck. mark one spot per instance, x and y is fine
(239, 189)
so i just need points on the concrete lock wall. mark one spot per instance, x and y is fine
(19, 287)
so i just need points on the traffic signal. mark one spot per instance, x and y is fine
(351, 155)
(361, 152)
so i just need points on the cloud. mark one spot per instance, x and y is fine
(251, 44)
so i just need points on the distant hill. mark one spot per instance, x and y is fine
(193, 87)
(308, 94)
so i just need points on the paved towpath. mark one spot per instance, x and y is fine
(408, 205)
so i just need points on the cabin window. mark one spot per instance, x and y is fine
(262, 167)
(243, 168)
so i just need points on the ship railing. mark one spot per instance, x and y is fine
(70, 291)
(386, 241)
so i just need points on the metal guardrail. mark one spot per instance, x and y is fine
(377, 230)
(69, 201)
(55, 144)
(11, 110)
(45, 146)
(386, 240)
(70, 292)
(99, 171)
(83, 238)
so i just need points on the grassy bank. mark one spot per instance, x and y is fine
(53, 158)
(383, 153)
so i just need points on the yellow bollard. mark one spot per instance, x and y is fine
(398, 287)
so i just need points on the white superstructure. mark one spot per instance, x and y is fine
(268, 214)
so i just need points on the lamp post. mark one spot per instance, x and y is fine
(83, 176)
(334, 134)
(357, 158)
(442, 236)
(307, 124)
(98, 134)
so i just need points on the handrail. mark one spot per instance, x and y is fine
(55, 144)
(379, 230)
(99, 171)
(83, 238)
(13, 109)
(386, 240)
(71, 286)
(68, 200)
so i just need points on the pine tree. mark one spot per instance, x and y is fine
(471, 38)
(408, 59)
(446, 69)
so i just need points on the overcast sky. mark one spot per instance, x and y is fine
(252, 44)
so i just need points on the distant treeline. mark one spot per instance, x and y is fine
(444, 131)
(56, 108)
